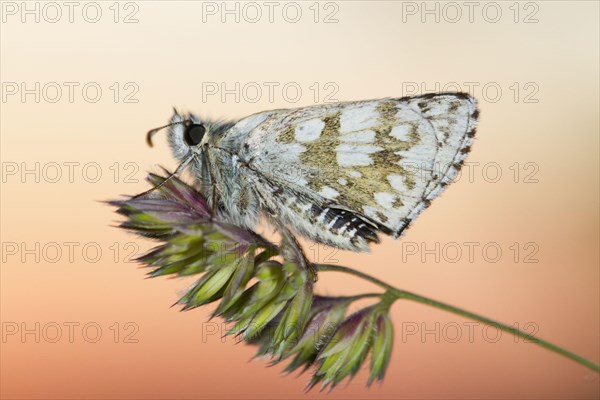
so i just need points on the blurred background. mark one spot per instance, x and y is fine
(515, 238)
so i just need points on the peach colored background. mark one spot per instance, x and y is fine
(369, 53)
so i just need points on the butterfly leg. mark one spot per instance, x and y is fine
(293, 251)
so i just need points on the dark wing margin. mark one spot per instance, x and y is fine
(453, 165)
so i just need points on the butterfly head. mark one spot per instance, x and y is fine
(186, 135)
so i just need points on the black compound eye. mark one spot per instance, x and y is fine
(193, 134)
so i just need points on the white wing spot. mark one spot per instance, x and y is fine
(349, 155)
(370, 212)
(384, 199)
(397, 182)
(354, 174)
(321, 217)
(359, 118)
(310, 130)
(401, 132)
(329, 192)
(332, 222)
(343, 228)
(342, 181)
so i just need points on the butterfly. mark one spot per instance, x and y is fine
(338, 173)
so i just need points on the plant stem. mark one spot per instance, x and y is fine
(402, 294)
(361, 296)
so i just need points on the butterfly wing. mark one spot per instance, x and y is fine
(338, 173)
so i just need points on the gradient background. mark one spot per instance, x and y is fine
(369, 53)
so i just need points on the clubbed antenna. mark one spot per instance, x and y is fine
(151, 132)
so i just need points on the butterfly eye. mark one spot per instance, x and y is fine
(194, 134)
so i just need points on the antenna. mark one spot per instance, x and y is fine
(151, 132)
(180, 168)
